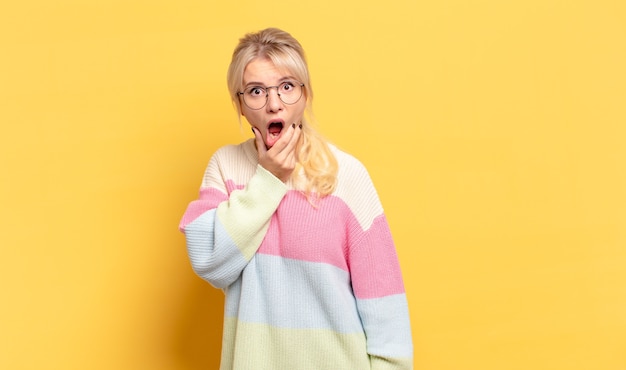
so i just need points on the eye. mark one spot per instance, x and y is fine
(256, 91)
(287, 86)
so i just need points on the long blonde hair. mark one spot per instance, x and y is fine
(315, 159)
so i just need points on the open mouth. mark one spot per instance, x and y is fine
(274, 129)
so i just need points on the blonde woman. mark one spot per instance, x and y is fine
(292, 229)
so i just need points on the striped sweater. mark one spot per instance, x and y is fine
(306, 287)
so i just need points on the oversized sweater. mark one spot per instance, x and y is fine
(307, 288)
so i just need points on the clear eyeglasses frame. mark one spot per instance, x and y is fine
(256, 97)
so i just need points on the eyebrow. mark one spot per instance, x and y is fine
(254, 83)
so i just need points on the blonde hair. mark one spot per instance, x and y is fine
(315, 159)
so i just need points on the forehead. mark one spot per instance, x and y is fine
(264, 71)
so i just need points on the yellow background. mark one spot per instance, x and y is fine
(494, 131)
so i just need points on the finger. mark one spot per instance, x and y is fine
(289, 154)
(288, 141)
(293, 140)
(280, 145)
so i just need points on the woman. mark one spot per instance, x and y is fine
(292, 230)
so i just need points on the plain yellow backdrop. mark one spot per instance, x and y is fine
(493, 130)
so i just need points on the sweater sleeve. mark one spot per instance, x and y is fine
(376, 277)
(381, 299)
(223, 231)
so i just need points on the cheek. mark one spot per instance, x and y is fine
(301, 110)
(251, 117)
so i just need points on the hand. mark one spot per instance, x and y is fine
(281, 158)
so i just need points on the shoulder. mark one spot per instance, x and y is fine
(236, 162)
(237, 155)
(348, 164)
(235, 150)
(351, 169)
(355, 188)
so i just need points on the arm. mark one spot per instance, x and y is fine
(224, 232)
(381, 299)
(376, 277)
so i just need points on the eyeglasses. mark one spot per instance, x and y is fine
(255, 97)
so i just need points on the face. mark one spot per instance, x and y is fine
(273, 118)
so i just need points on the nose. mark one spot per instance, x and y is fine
(274, 104)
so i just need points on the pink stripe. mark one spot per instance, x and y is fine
(209, 199)
(230, 186)
(299, 231)
(324, 235)
(374, 263)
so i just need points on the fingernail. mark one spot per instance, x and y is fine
(252, 128)
(293, 125)
(300, 126)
